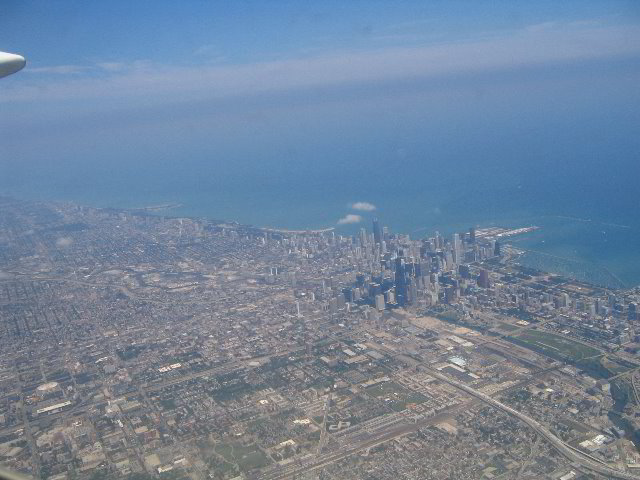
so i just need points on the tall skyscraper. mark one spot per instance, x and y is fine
(483, 279)
(438, 240)
(380, 302)
(457, 249)
(464, 271)
(363, 237)
(377, 231)
(391, 296)
(450, 294)
(632, 311)
(401, 281)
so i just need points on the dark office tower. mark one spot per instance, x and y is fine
(374, 289)
(401, 282)
(483, 279)
(348, 294)
(464, 271)
(400, 271)
(417, 269)
(632, 312)
(472, 234)
(377, 231)
(402, 292)
(496, 249)
(450, 294)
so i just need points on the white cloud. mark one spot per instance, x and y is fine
(64, 242)
(539, 27)
(111, 66)
(537, 45)
(350, 218)
(363, 206)
(60, 69)
(211, 52)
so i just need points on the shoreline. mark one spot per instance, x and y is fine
(296, 232)
(509, 224)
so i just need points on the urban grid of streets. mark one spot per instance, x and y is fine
(140, 346)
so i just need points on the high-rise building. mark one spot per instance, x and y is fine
(457, 244)
(342, 300)
(348, 294)
(472, 234)
(380, 302)
(363, 237)
(377, 231)
(413, 293)
(450, 294)
(391, 296)
(483, 279)
(464, 271)
(438, 240)
(401, 281)
(333, 306)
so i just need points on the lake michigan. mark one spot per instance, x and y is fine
(590, 231)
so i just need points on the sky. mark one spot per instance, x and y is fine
(355, 97)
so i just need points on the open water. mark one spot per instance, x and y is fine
(594, 236)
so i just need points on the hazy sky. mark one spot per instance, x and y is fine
(319, 92)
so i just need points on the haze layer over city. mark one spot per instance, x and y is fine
(270, 240)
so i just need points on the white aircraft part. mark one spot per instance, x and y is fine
(10, 63)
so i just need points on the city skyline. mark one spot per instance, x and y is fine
(336, 240)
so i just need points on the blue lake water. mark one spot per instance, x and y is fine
(595, 237)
